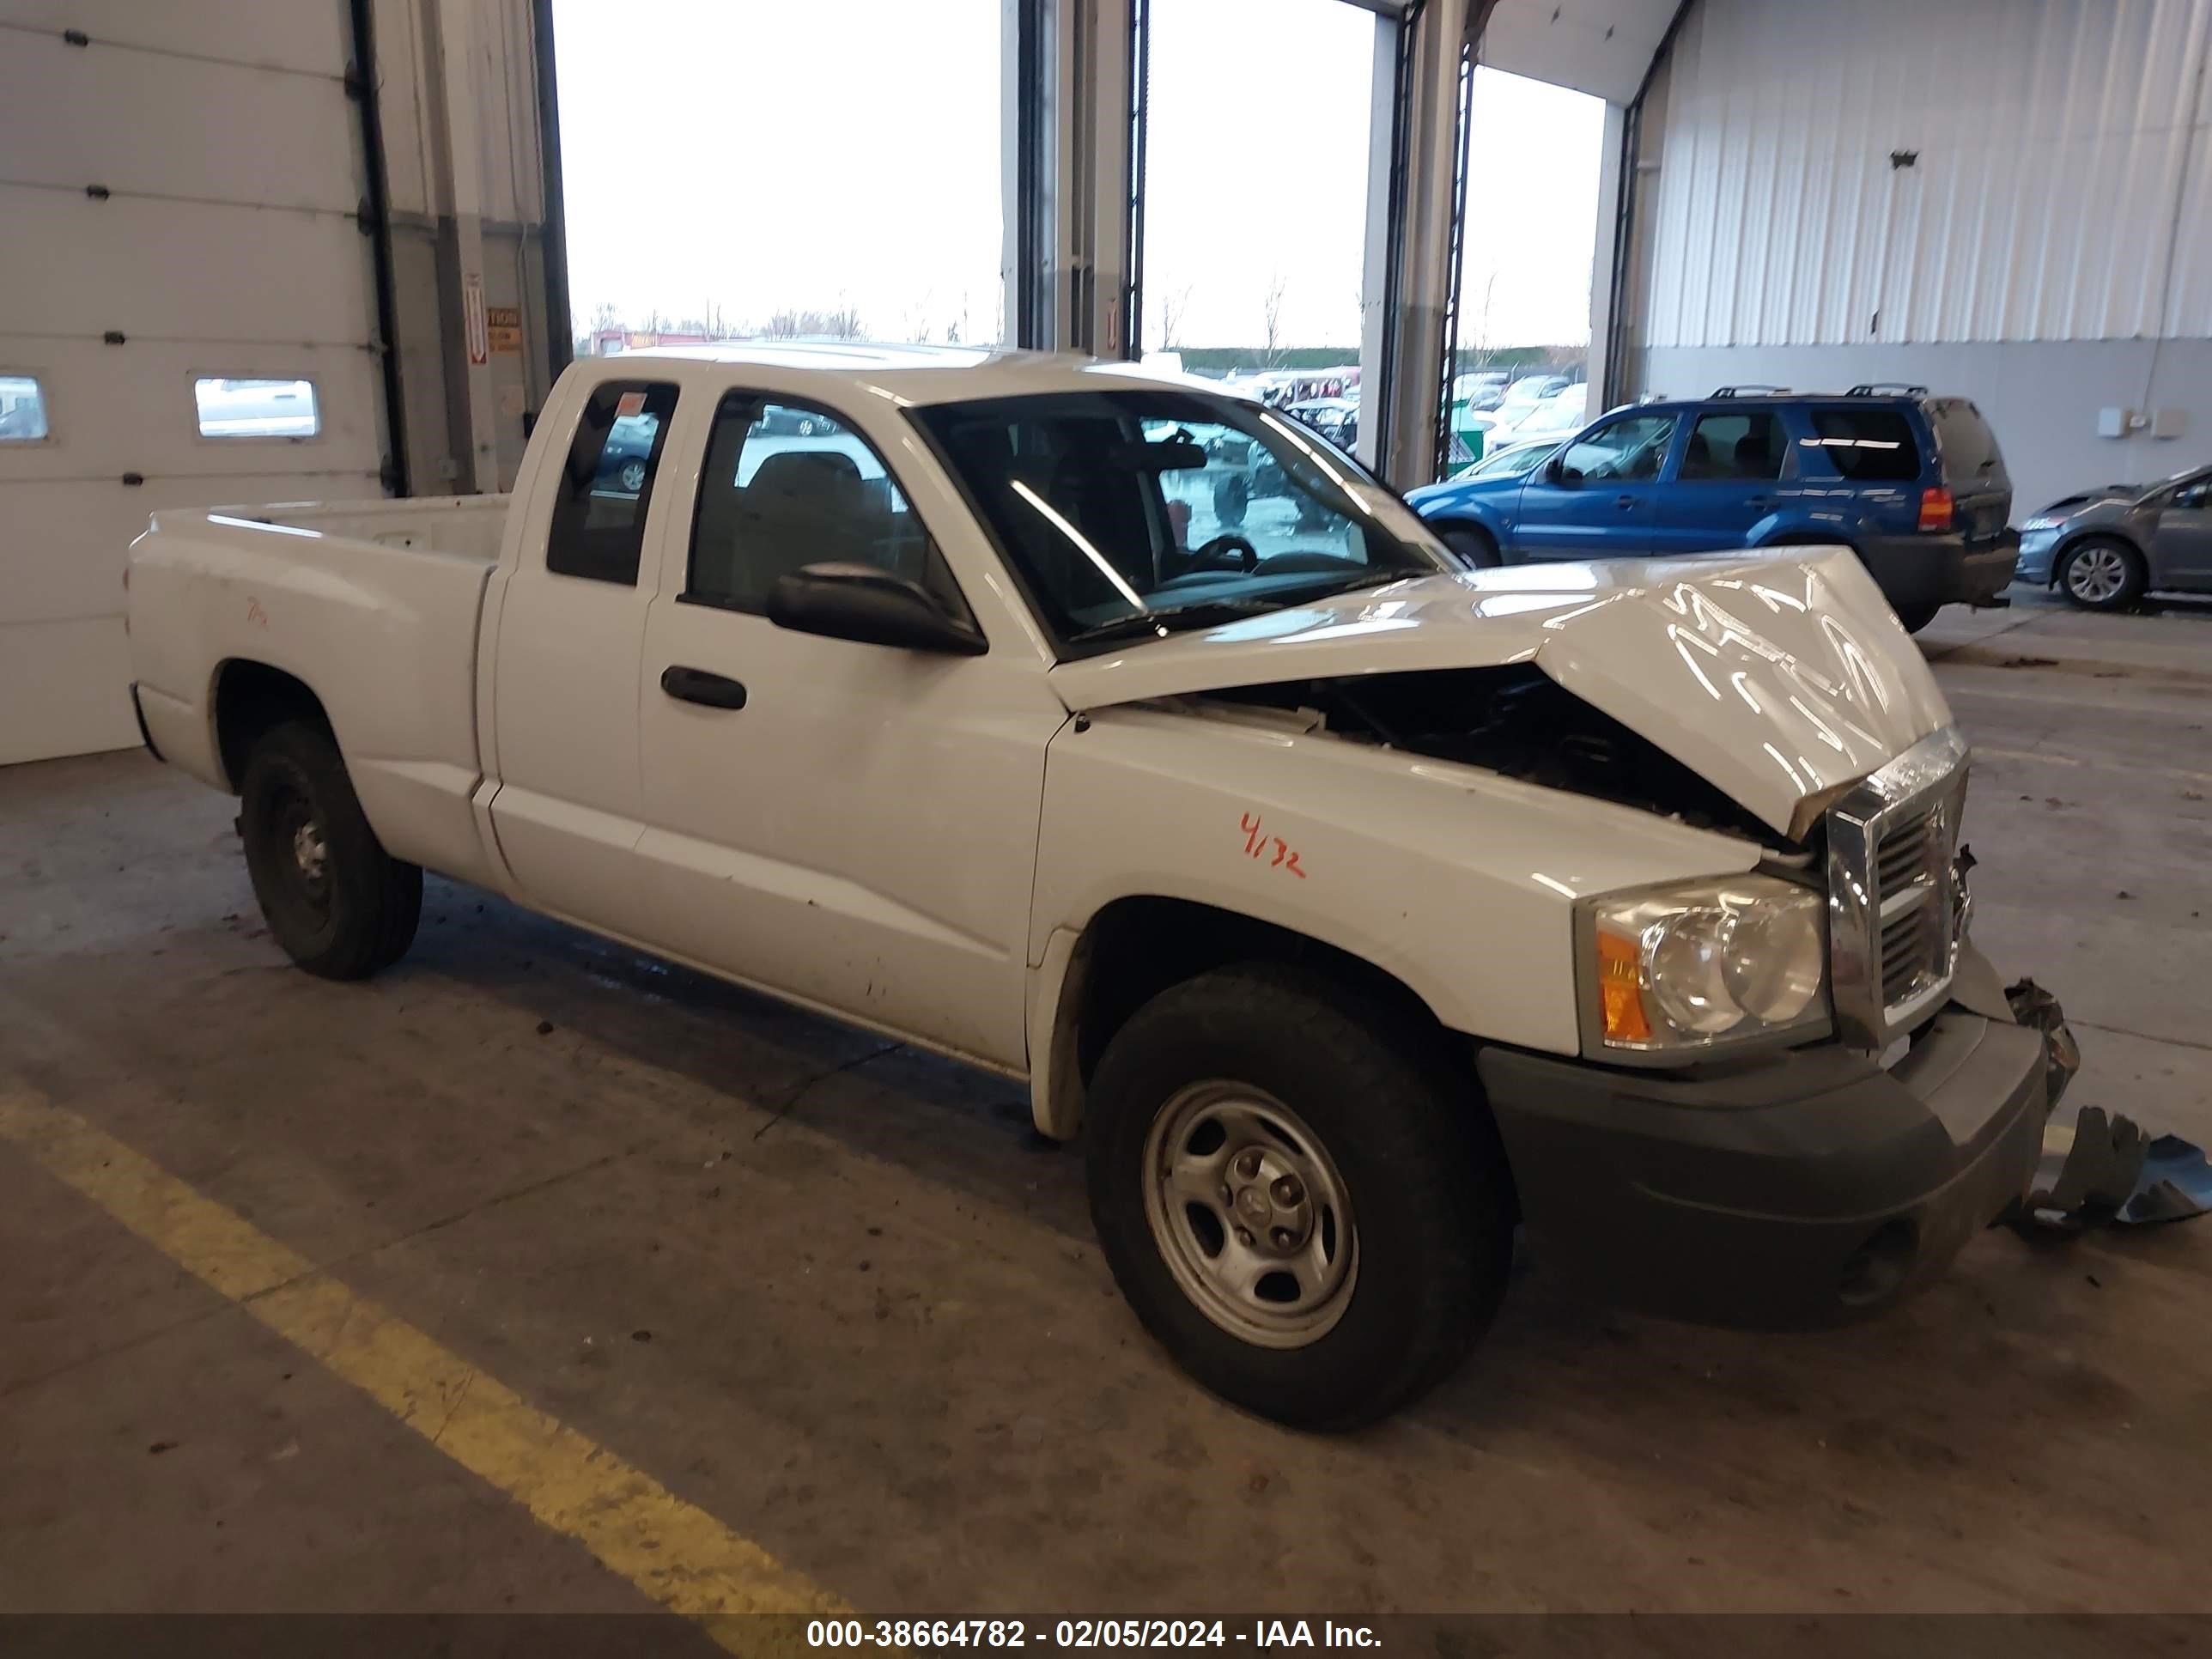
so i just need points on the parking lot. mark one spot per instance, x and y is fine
(288, 1259)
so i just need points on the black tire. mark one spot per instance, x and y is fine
(359, 914)
(1916, 617)
(1419, 1162)
(1472, 542)
(2096, 556)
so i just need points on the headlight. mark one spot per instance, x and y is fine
(2038, 524)
(1703, 964)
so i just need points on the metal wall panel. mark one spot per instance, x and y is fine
(2050, 136)
(226, 245)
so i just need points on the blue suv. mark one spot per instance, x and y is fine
(1915, 485)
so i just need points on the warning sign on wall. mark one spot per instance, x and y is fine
(473, 328)
(504, 325)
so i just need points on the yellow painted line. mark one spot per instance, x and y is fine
(2099, 761)
(677, 1553)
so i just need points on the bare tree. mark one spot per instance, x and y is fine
(842, 324)
(604, 315)
(1172, 307)
(1271, 317)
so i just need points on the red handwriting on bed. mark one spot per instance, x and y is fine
(1256, 845)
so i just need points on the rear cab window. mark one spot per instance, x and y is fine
(601, 499)
(1865, 443)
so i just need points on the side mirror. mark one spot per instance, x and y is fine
(861, 603)
(1556, 472)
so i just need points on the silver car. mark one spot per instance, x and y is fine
(2107, 548)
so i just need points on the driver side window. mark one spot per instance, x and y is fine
(1631, 449)
(787, 485)
(2195, 497)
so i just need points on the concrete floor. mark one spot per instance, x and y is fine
(838, 1296)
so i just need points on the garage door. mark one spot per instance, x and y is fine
(186, 303)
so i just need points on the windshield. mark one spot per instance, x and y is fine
(1133, 514)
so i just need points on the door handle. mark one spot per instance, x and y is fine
(1624, 503)
(1755, 500)
(697, 685)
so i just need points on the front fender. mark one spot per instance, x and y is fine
(1458, 883)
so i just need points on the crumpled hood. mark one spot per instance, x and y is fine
(1779, 677)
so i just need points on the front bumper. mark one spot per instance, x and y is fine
(1806, 1190)
(2038, 550)
(1913, 571)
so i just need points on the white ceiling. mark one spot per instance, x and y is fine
(1599, 46)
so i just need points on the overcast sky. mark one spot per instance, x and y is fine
(761, 156)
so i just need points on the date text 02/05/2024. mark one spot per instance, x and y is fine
(1262, 1634)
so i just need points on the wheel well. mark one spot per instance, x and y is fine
(251, 698)
(1473, 525)
(1137, 947)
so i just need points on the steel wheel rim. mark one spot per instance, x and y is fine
(302, 842)
(1250, 1214)
(633, 475)
(2096, 575)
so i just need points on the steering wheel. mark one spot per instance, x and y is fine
(1248, 556)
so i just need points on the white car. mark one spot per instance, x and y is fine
(1353, 908)
(1557, 416)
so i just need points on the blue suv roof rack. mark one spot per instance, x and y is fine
(1751, 391)
(1886, 389)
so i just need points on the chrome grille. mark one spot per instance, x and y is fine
(1895, 910)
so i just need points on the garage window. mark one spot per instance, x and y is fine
(231, 408)
(22, 409)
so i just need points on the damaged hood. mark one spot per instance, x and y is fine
(1779, 677)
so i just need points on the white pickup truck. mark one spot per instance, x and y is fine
(1124, 738)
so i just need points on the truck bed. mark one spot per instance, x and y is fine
(376, 606)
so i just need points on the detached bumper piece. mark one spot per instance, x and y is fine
(2100, 1168)
(1806, 1190)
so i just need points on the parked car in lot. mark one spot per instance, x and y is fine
(1336, 419)
(1915, 485)
(1354, 908)
(1481, 390)
(626, 460)
(2106, 548)
(1557, 416)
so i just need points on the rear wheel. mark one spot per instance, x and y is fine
(2102, 575)
(335, 900)
(1472, 542)
(1313, 1223)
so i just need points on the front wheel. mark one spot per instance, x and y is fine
(1472, 542)
(2102, 575)
(337, 902)
(1313, 1223)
